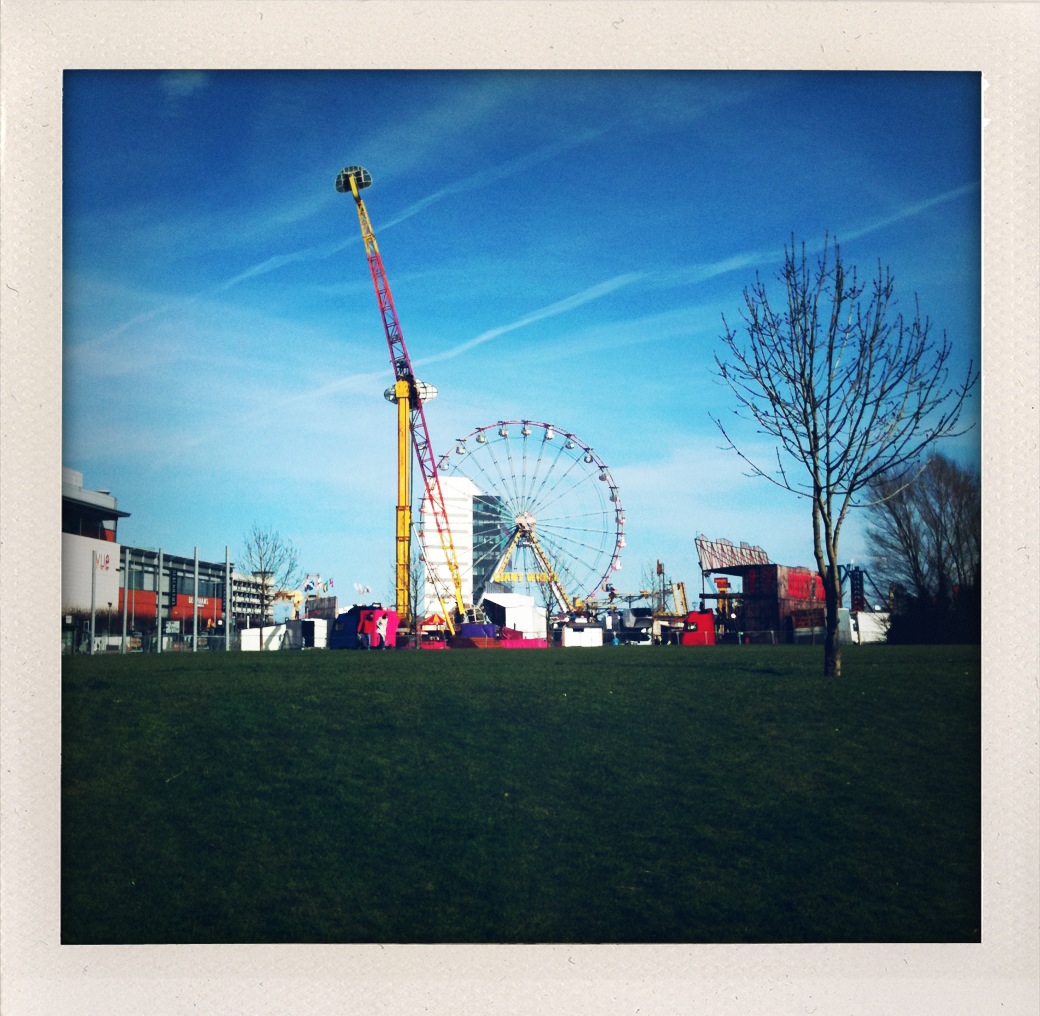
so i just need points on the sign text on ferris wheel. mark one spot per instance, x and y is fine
(516, 576)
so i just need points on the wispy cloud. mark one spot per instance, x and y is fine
(82, 350)
(476, 181)
(569, 303)
(303, 405)
(365, 381)
(698, 272)
(908, 212)
(473, 182)
(272, 264)
(705, 271)
(455, 116)
(320, 252)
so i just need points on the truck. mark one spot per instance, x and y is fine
(698, 629)
(365, 626)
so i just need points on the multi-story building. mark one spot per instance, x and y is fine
(481, 532)
(90, 553)
(137, 589)
(491, 534)
(458, 493)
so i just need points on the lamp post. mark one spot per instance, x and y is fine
(93, 598)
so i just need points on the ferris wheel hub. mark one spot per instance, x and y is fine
(525, 522)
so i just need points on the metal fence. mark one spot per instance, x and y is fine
(76, 641)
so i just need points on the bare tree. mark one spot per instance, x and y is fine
(925, 527)
(411, 620)
(654, 586)
(274, 561)
(848, 390)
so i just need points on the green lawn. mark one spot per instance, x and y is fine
(725, 794)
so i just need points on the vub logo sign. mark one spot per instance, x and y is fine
(103, 562)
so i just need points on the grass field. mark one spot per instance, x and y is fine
(726, 794)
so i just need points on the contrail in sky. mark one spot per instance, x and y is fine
(363, 380)
(550, 310)
(702, 272)
(474, 182)
(322, 251)
(488, 176)
(909, 211)
(693, 273)
(272, 264)
(690, 274)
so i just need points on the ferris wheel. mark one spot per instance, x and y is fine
(547, 519)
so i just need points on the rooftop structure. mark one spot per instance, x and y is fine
(84, 512)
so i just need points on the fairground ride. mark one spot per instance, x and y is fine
(409, 394)
(547, 515)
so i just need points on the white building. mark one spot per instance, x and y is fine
(458, 493)
(90, 555)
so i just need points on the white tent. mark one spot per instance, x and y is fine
(517, 611)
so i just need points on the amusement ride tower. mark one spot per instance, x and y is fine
(409, 394)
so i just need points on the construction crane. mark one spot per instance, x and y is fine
(409, 394)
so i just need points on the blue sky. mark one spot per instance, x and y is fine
(561, 247)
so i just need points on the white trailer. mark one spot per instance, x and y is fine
(870, 626)
(306, 633)
(588, 636)
(273, 636)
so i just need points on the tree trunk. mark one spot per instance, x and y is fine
(832, 643)
(832, 652)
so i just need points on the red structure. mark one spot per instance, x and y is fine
(698, 629)
(141, 605)
(780, 599)
(775, 602)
